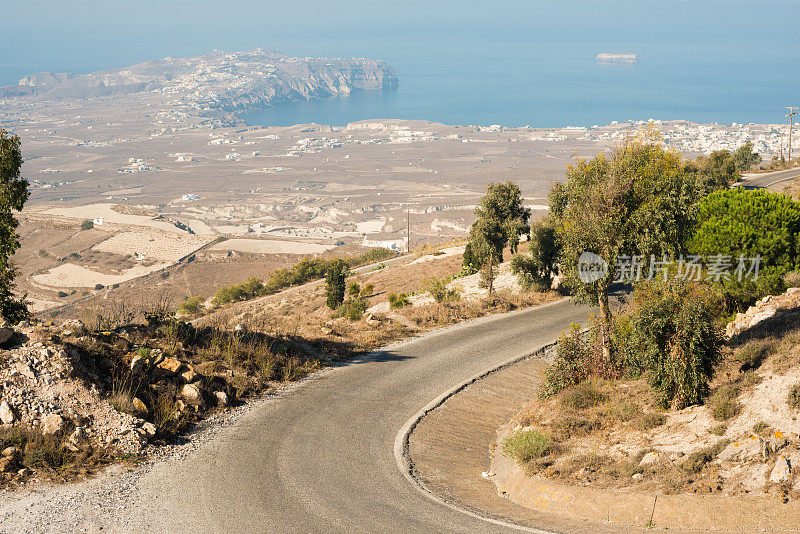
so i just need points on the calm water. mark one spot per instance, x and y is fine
(506, 62)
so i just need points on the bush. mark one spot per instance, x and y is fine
(719, 430)
(439, 291)
(674, 325)
(698, 459)
(87, 224)
(98, 287)
(754, 352)
(723, 402)
(587, 394)
(352, 308)
(625, 411)
(335, 283)
(793, 400)
(238, 292)
(62, 294)
(527, 445)
(398, 301)
(792, 279)
(536, 270)
(191, 305)
(578, 359)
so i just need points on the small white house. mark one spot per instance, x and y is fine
(98, 221)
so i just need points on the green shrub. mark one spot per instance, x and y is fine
(587, 394)
(719, 430)
(335, 283)
(793, 400)
(698, 459)
(723, 402)
(536, 270)
(625, 410)
(191, 305)
(398, 301)
(577, 359)
(238, 292)
(527, 445)
(754, 352)
(439, 291)
(62, 294)
(674, 325)
(87, 224)
(98, 287)
(352, 308)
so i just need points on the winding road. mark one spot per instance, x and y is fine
(322, 459)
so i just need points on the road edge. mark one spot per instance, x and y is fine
(402, 439)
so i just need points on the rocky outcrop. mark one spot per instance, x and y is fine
(766, 308)
(218, 85)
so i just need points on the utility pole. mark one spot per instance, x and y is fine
(408, 230)
(791, 114)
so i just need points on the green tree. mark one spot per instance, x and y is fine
(637, 201)
(13, 195)
(538, 269)
(675, 333)
(501, 220)
(335, 283)
(723, 168)
(739, 222)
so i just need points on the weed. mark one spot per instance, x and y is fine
(698, 459)
(625, 410)
(650, 420)
(723, 402)
(527, 445)
(719, 430)
(585, 395)
(793, 399)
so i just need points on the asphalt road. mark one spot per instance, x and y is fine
(322, 460)
(768, 179)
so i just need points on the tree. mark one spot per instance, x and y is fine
(538, 268)
(723, 168)
(335, 277)
(739, 222)
(501, 220)
(13, 195)
(638, 201)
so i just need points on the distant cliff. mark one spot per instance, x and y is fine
(218, 84)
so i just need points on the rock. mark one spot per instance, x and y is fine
(782, 471)
(168, 367)
(77, 440)
(53, 423)
(742, 450)
(777, 441)
(24, 472)
(12, 452)
(637, 476)
(192, 394)
(652, 457)
(222, 398)
(7, 464)
(137, 364)
(139, 406)
(189, 376)
(239, 328)
(5, 334)
(7, 415)
(149, 430)
(25, 370)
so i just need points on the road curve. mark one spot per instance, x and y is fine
(768, 179)
(322, 458)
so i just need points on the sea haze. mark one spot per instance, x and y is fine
(506, 62)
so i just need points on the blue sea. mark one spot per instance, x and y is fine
(509, 63)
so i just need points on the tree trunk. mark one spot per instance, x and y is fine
(605, 328)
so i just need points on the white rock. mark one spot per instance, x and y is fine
(741, 450)
(192, 394)
(781, 472)
(6, 413)
(222, 398)
(652, 457)
(637, 476)
(149, 430)
(53, 423)
(137, 364)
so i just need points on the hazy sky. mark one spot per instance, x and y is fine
(81, 34)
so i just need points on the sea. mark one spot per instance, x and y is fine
(702, 61)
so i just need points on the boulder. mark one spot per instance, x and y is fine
(137, 364)
(5, 334)
(744, 450)
(52, 423)
(7, 415)
(77, 440)
(222, 398)
(7, 464)
(192, 394)
(149, 430)
(12, 452)
(782, 471)
(652, 457)
(139, 406)
(189, 376)
(167, 368)
(777, 441)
